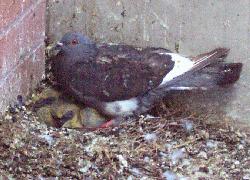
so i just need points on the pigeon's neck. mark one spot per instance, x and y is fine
(81, 53)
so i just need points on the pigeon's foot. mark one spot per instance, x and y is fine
(112, 122)
(109, 123)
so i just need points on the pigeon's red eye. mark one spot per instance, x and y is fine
(74, 42)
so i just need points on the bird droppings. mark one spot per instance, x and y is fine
(202, 155)
(150, 137)
(171, 144)
(86, 166)
(48, 138)
(136, 172)
(212, 144)
(148, 116)
(187, 125)
(177, 155)
(169, 175)
(124, 163)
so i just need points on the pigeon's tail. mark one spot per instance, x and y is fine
(211, 57)
(229, 73)
(211, 77)
(187, 66)
(208, 72)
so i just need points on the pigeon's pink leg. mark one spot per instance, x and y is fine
(110, 123)
(107, 124)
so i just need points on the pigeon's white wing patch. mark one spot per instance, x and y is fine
(182, 65)
(183, 88)
(121, 108)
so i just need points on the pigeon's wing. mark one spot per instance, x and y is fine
(120, 72)
(148, 78)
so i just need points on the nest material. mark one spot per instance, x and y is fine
(173, 145)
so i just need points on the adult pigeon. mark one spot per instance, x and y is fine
(122, 80)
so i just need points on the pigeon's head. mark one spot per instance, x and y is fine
(75, 40)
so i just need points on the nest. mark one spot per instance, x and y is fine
(173, 144)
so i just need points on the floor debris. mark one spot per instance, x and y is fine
(170, 146)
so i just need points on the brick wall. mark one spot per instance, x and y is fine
(22, 31)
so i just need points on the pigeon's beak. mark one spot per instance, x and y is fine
(57, 48)
(59, 44)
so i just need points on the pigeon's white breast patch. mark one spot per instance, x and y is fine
(120, 108)
(182, 65)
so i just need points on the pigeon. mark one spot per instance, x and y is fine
(120, 80)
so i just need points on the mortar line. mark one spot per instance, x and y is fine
(6, 76)
(19, 19)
